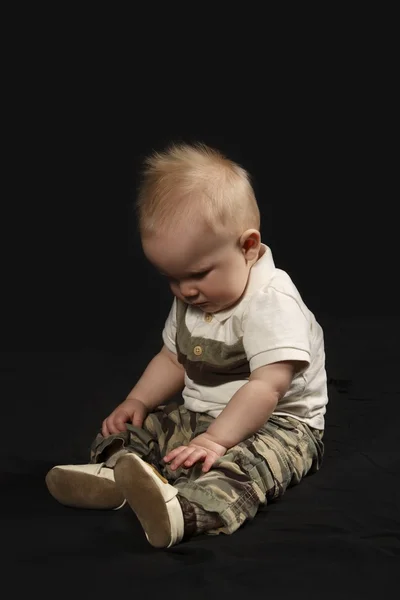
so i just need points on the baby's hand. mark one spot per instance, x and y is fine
(131, 410)
(200, 449)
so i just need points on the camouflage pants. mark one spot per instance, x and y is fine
(249, 475)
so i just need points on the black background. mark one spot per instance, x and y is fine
(82, 312)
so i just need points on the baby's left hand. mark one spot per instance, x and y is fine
(200, 449)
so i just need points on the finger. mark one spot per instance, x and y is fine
(171, 455)
(198, 454)
(112, 427)
(137, 420)
(104, 429)
(119, 420)
(119, 424)
(209, 461)
(181, 458)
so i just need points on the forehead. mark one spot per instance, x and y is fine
(184, 251)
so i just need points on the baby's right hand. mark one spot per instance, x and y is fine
(130, 410)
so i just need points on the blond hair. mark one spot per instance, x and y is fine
(193, 183)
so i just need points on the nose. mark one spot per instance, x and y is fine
(188, 290)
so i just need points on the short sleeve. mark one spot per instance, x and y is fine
(276, 327)
(169, 331)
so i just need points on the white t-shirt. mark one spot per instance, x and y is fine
(271, 323)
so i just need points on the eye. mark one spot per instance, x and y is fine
(197, 276)
(201, 275)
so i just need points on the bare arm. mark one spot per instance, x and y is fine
(252, 404)
(163, 377)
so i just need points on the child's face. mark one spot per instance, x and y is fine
(203, 268)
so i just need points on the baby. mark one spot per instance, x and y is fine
(241, 347)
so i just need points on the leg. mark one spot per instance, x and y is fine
(253, 473)
(250, 474)
(154, 501)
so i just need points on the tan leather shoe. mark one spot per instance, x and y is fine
(152, 499)
(85, 486)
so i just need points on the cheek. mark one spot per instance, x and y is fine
(233, 283)
(222, 285)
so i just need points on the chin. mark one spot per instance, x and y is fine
(207, 307)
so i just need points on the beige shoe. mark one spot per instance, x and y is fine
(85, 486)
(153, 500)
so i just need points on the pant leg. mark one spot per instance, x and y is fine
(162, 431)
(255, 472)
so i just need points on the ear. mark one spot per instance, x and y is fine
(250, 242)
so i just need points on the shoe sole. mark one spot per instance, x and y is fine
(82, 490)
(136, 480)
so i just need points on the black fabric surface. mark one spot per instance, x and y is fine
(337, 534)
(82, 310)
